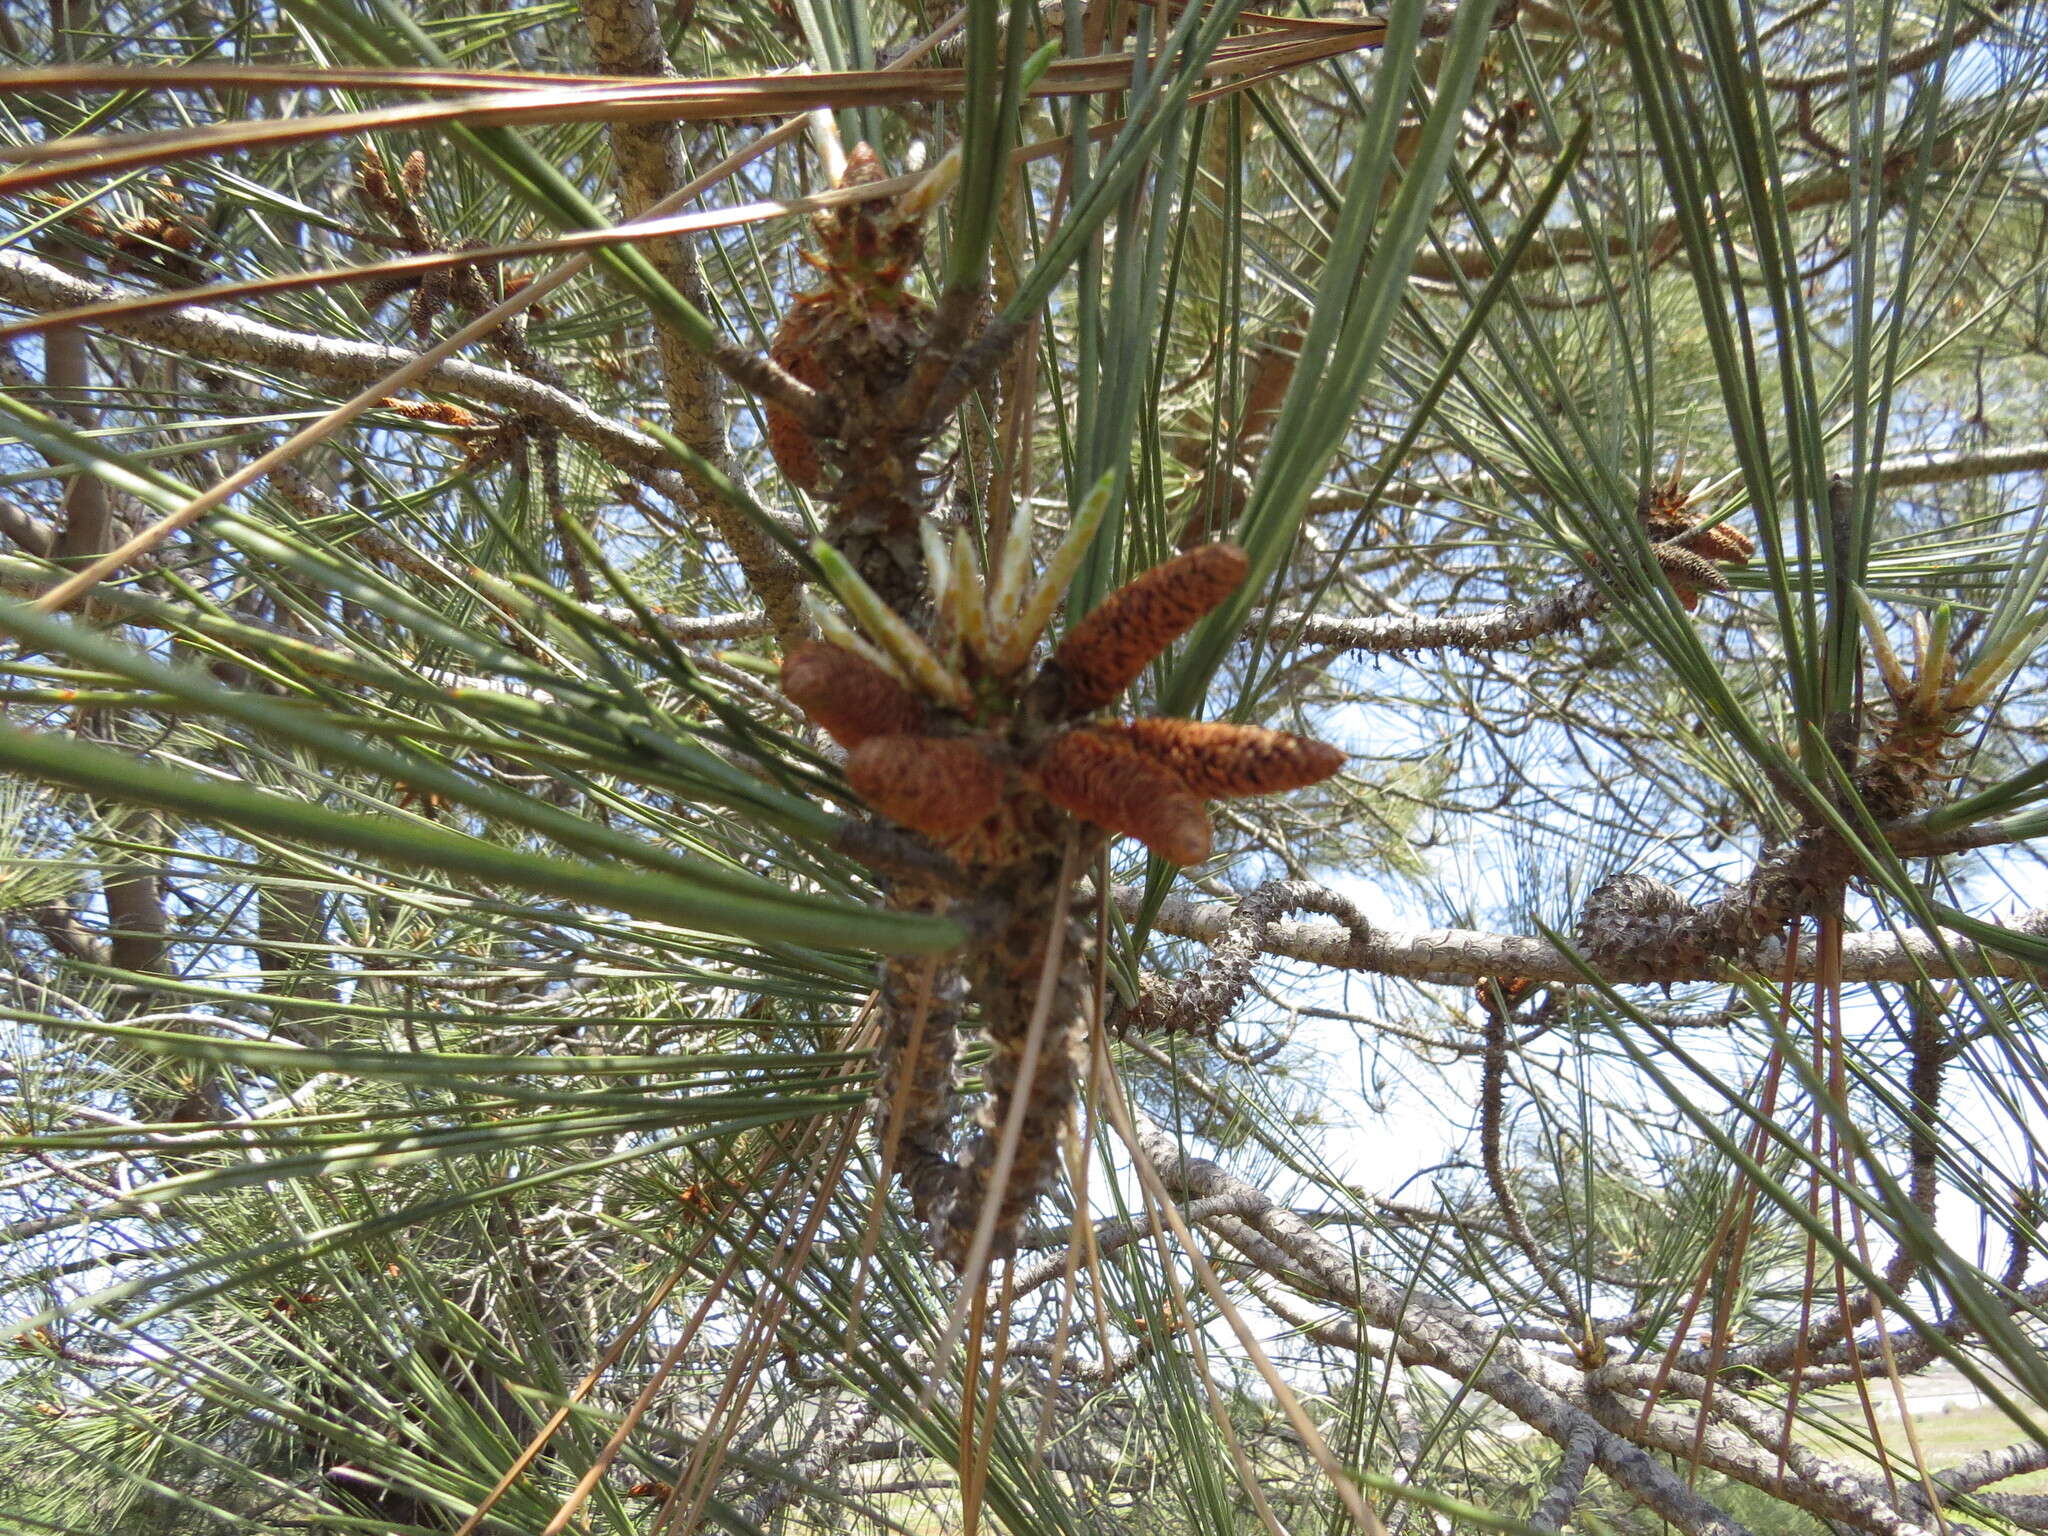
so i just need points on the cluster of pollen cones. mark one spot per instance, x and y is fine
(854, 335)
(1690, 554)
(947, 762)
(1013, 771)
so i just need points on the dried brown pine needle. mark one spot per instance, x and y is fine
(1218, 760)
(849, 697)
(1105, 652)
(941, 786)
(1098, 776)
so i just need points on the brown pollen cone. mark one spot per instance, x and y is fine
(375, 182)
(151, 241)
(1100, 777)
(795, 350)
(1721, 543)
(1689, 574)
(849, 696)
(438, 411)
(1687, 552)
(1105, 652)
(1503, 993)
(1220, 761)
(852, 337)
(941, 786)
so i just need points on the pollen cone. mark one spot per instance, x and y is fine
(1728, 546)
(1689, 574)
(795, 347)
(1105, 652)
(849, 696)
(941, 786)
(1100, 777)
(1218, 761)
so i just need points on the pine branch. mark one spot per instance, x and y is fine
(1490, 630)
(1466, 957)
(200, 332)
(1427, 1331)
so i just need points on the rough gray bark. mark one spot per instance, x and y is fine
(833, 1449)
(1204, 998)
(1570, 1482)
(1424, 1331)
(1465, 957)
(1492, 629)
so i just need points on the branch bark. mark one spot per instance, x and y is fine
(1488, 630)
(1465, 957)
(1568, 1405)
(1574, 245)
(625, 36)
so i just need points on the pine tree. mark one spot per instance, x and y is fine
(824, 865)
